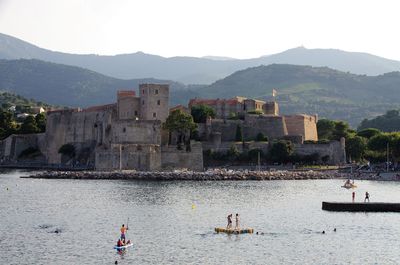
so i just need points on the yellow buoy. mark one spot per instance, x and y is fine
(193, 206)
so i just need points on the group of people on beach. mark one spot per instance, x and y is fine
(121, 241)
(229, 226)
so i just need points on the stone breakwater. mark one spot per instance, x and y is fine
(215, 175)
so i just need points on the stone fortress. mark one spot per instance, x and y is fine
(128, 134)
(124, 135)
(256, 116)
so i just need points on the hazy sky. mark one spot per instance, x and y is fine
(233, 28)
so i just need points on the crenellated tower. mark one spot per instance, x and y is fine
(154, 101)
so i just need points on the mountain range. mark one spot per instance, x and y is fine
(193, 70)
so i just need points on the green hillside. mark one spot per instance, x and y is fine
(65, 85)
(389, 122)
(331, 94)
(301, 89)
(9, 99)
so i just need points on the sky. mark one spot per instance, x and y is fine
(231, 28)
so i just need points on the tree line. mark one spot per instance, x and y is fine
(388, 122)
(31, 124)
(366, 144)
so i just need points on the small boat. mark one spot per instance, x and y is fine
(349, 186)
(123, 247)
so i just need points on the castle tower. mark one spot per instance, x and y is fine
(271, 108)
(154, 101)
(128, 104)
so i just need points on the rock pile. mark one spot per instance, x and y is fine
(216, 174)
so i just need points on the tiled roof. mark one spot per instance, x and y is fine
(126, 93)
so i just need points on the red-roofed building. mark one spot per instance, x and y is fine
(179, 107)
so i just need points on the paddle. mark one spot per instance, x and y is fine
(127, 226)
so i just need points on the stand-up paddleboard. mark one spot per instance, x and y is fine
(123, 247)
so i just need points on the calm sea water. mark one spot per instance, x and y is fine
(166, 230)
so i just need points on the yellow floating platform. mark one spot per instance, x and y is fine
(234, 231)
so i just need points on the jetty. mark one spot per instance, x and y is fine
(209, 175)
(234, 231)
(361, 206)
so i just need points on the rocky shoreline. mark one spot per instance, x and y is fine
(211, 175)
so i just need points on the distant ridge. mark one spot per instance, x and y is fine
(193, 70)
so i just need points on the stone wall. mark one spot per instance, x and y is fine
(136, 132)
(335, 150)
(302, 124)
(225, 146)
(272, 126)
(227, 128)
(310, 123)
(173, 158)
(141, 157)
(71, 126)
(12, 147)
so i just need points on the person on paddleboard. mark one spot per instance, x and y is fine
(123, 231)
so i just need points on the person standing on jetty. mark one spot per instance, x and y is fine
(353, 196)
(366, 196)
(237, 221)
(229, 222)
